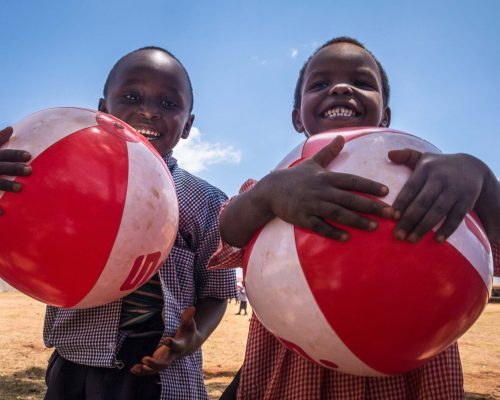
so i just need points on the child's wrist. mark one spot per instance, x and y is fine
(487, 205)
(262, 194)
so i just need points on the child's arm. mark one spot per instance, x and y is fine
(445, 187)
(305, 195)
(12, 163)
(197, 324)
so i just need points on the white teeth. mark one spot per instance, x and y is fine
(336, 112)
(150, 135)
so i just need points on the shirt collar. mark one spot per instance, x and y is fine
(170, 160)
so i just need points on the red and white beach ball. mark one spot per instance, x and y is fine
(372, 306)
(97, 217)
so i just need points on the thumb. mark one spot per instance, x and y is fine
(329, 152)
(188, 314)
(407, 157)
(174, 344)
(5, 134)
(187, 319)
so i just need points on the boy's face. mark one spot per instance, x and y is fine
(150, 92)
(341, 88)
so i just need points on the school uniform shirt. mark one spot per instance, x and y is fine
(92, 337)
(272, 372)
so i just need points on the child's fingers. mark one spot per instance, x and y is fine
(321, 227)
(142, 370)
(356, 183)
(433, 216)
(408, 193)
(416, 211)
(14, 169)
(14, 155)
(154, 364)
(355, 202)
(10, 186)
(453, 219)
(330, 151)
(451, 208)
(5, 134)
(174, 345)
(343, 216)
(408, 157)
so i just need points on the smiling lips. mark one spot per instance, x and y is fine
(149, 134)
(340, 111)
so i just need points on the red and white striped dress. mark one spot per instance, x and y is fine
(272, 372)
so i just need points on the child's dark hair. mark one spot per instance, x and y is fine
(386, 90)
(117, 64)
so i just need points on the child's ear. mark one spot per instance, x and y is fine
(386, 117)
(187, 127)
(297, 122)
(102, 105)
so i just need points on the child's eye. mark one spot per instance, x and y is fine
(318, 85)
(364, 85)
(169, 104)
(131, 97)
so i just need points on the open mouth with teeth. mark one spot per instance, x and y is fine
(149, 134)
(340, 112)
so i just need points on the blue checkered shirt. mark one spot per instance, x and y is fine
(91, 336)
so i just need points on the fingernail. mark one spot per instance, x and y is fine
(344, 237)
(440, 238)
(384, 190)
(388, 212)
(372, 225)
(27, 170)
(413, 238)
(397, 214)
(16, 187)
(26, 156)
(400, 234)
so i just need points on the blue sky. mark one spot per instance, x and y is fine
(442, 58)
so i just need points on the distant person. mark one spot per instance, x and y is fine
(243, 301)
(146, 346)
(236, 297)
(343, 85)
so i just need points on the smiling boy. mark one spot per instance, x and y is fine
(124, 349)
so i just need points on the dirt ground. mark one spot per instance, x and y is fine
(24, 358)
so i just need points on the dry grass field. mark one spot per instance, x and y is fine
(23, 357)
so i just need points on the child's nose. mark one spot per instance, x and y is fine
(149, 112)
(341, 89)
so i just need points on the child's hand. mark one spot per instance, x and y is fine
(187, 340)
(12, 163)
(307, 195)
(442, 187)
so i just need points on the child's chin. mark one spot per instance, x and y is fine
(337, 123)
(342, 122)
(157, 145)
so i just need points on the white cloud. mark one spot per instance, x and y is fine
(195, 155)
(258, 60)
(293, 53)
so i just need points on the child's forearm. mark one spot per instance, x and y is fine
(209, 313)
(487, 207)
(246, 214)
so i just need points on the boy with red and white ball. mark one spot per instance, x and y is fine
(148, 345)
